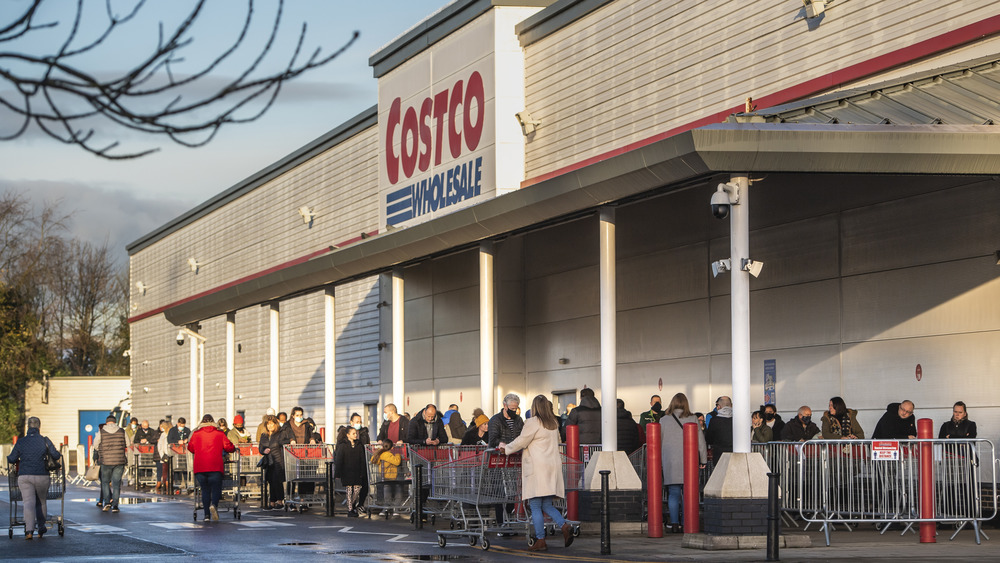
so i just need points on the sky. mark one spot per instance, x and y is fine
(119, 201)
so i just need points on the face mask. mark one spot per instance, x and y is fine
(298, 420)
(511, 413)
(280, 424)
(357, 426)
(725, 412)
(805, 420)
(385, 416)
(657, 406)
(769, 416)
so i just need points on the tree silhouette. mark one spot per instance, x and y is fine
(48, 76)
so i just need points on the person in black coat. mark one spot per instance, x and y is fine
(897, 423)
(477, 434)
(426, 429)
(33, 477)
(349, 463)
(769, 413)
(800, 428)
(719, 435)
(959, 426)
(628, 430)
(393, 422)
(272, 449)
(587, 417)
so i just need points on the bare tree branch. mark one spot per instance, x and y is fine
(58, 93)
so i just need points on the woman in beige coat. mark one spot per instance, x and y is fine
(541, 470)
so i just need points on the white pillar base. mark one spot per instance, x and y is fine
(623, 476)
(738, 475)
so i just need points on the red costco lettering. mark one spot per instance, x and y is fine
(418, 142)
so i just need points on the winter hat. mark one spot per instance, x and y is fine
(481, 420)
(237, 419)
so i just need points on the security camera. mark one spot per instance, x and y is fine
(180, 338)
(724, 197)
(720, 204)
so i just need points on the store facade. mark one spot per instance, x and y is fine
(464, 215)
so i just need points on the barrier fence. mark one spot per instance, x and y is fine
(878, 481)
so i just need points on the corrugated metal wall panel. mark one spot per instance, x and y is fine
(634, 69)
(357, 337)
(302, 354)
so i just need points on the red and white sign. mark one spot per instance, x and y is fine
(885, 450)
(446, 118)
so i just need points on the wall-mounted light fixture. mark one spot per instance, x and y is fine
(127, 353)
(563, 361)
(814, 8)
(528, 125)
(382, 304)
(382, 346)
(194, 265)
(307, 215)
(145, 389)
(141, 287)
(752, 266)
(721, 266)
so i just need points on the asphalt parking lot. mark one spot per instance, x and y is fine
(153, 527)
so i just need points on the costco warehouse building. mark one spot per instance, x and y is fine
(445, 245)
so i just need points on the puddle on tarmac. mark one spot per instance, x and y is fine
(128, 500)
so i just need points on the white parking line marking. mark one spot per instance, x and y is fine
(271, 524)
(97, 528)
(177, 525)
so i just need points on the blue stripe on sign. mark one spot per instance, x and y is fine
(398, 206)
(393, 196)
(400, 217)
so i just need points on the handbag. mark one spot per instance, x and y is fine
(52, 464)
(93, 473)
(264, 462)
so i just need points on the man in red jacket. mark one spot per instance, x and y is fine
(209, 444)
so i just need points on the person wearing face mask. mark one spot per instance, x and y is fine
(654, 413)
(302, 430)
(364, 438)
(772, 420)
(720, 431)
(394, 426)
(800, 428)
(238, 433)
(282, 419)
(130, 430)
(179, 434)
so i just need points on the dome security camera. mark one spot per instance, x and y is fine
(720, 203)
(180, 338)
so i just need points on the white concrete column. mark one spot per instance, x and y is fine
(275, 357)
(487, 383)
(739, 248)
(398, 341)
(329, 364)
(201, 382)
(230, 366)
(609, 351)
(194, 416)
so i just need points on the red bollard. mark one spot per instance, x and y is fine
(322, 433)
(654, 481)
(925, 431)
(573, 452)
(90, 446)
(691, 480)
(65, 440)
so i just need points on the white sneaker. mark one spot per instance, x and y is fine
(215, 513)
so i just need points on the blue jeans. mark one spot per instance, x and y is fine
(538, 506)
(111, 483)
(675, 495)
(211, 488)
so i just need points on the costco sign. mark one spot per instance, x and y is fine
(444, 128)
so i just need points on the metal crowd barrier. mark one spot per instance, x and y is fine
(855, 481)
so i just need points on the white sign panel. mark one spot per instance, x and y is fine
(438, 122)
(885, 450)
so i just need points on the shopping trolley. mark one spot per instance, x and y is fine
(144, 465)
(181, 465)
(388, 486)
(250, 479)
(56, 491)
(230, 500)
(428, 458)
(306, 465)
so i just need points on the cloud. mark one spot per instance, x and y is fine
(97, 214)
